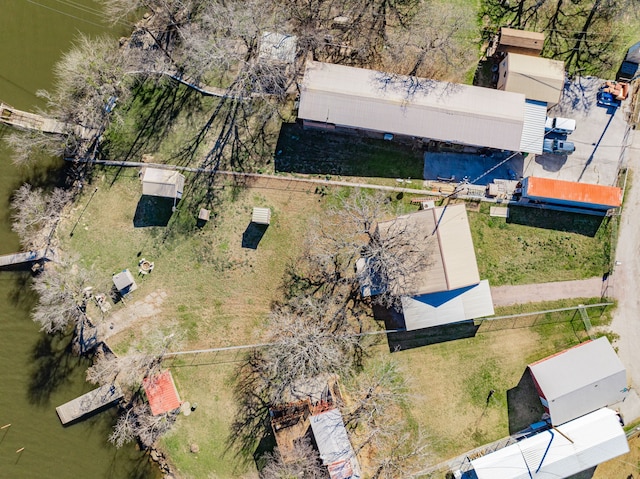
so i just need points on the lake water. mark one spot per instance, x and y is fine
(36, 372)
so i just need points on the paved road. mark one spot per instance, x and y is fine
(626, 320)
(532, 293)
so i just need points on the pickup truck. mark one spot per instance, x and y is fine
(564, 126)
(558, 147)
(608, 100)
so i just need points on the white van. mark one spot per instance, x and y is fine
(564, 126)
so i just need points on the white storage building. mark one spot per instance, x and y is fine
(161, 182)
(580, 380)
(556, 453)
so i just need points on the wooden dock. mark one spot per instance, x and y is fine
(99, 398)
(32, 121)
(19, 258)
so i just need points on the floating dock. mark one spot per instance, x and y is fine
(19, 258)
(87, 403)
(32, 121)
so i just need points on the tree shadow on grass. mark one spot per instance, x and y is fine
(402, 339)
(523, 404)
(249, 434)
(53, 364)
(586, 225)
(314, 151)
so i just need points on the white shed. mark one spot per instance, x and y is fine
(580, 380)
(561, 452)
(124, 282)
(261, 216)
(160, 182)
(278, 47)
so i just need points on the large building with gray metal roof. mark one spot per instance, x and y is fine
(337, 95)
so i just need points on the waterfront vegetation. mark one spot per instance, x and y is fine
(226, 283)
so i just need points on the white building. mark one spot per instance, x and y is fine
(580, 380)
(560, 452)
(161, 182)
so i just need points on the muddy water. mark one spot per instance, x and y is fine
(36, 371)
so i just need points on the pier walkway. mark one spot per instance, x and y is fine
(87, 403)
(19, 258)
(32, 121)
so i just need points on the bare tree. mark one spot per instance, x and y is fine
(88, 79)
(61, 296)
(432, 43)
(580, 33)
(137, 422)
(376, 394)
(29, 145)
(311, 336)
(303, 463)
(36, 214)
(390, 252)
(128, 370)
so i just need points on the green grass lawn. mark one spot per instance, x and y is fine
(535, 246)
(219, 294)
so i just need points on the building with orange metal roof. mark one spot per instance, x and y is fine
(585, 197)
(161, 393)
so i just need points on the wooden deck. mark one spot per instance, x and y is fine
(32, 121)
(87, 403)
(19, 258)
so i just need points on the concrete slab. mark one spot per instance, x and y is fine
(499, 211)
(458, 166)
(599, 136)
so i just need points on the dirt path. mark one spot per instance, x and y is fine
(626, 320)
(126, 317)
(534, 293)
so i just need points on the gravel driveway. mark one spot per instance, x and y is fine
(626, 287)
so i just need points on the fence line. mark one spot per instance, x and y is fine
(241, 347)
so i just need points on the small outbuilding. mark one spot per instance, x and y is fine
(580, 380)
(524, 42)
(261, 216)
(334, 446)
(278, 47)
(124, 282)
(539, 79)
(560, 452)
(570, 195)
(161, 182)
(161, 393)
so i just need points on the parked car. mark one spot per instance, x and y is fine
(558, 147)
(564, 126)
(607, 99)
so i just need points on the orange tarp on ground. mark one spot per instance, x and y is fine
(572, 191)
(162, 393)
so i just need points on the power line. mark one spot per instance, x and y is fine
(66, 14)
(84, 9)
